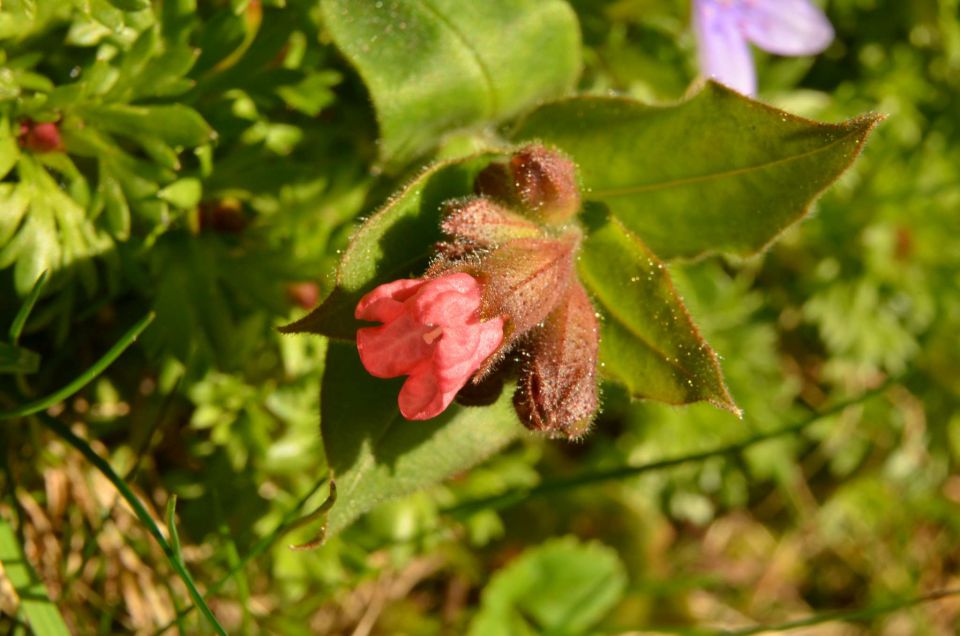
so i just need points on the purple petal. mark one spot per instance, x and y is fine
(785, 27)
(723, 51)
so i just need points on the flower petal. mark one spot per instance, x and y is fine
(385, 302)
(395, 348)
(421, 397)
(723, 50)
(786, 27)
(448, 300)
(462, 351)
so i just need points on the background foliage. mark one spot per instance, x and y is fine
(218, 155)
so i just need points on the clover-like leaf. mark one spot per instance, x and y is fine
(376, 455)
(716, 173)
(433, 66)
(648, 341)
(561, 587)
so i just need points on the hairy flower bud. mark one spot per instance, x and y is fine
(542, 182)
(485, 223)
(523, 280)
(557, 392)
(431, 333)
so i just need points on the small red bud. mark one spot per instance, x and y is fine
(557, 392)
(40, 137)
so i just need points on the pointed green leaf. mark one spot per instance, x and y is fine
(183, 193)
(716, 173)
(396, 242)
(433, 66)
(376, 455)
(648, 341)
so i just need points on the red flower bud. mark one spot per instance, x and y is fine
(557, 392)
(40, 138)
(431, 333)
(540, 181)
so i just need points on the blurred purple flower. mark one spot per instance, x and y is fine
(784, 27)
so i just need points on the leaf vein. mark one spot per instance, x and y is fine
(474, 54)
(675, 183)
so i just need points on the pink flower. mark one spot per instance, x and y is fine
(725, 28)
(431, 333)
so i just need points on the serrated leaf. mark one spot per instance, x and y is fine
(376, 455)
(561, 587)
(433, 66)
(648, 341)
(396, 242)
(716, 173)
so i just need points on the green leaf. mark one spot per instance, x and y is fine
(648, 342)
(716, 173)
(184, 193)
(115, 205)
(131, 5)
(312, 94)
(40, 612)
(9, 150)
(394, 243)
(14, 201)
(376, 455)
(20, 320)
(176, 124)
(561, 587)
(433, 66)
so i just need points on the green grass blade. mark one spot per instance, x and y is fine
(60, 429)
(172, 528)
(16, 327)
(291, 520)
(40, 612)
(513, 497)
(86, 377)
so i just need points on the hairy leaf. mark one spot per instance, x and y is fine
(433, 66)
(716, 173)
(376, 455)
(648, 341)
(396, 242)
